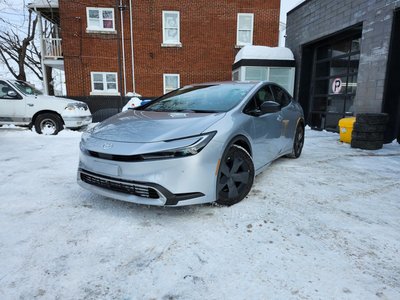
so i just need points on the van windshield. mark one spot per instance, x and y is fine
(26, 88)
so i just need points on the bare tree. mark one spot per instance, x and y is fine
(20, 52)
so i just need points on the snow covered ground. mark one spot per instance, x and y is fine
(325, 226)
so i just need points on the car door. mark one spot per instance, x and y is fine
(12, 108)
(267, 128)
(288, 115)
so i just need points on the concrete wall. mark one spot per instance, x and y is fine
(316, 19)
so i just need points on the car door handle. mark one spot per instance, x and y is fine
(30, 104)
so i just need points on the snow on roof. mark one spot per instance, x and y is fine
(43, 4)
(264, 52)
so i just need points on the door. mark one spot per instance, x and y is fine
(267, 129)
(288, 114)
(334, 80)
(12, 108)
(391, 96)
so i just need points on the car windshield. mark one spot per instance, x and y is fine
(26, 88)
(202, 99)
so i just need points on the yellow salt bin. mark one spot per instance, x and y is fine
(346, 128)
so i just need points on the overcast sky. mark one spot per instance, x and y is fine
(287, 5)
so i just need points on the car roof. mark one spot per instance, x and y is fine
(225, 83)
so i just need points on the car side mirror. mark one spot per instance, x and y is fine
(270, 107)
(12, 94)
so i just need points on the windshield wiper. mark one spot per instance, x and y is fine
(181, 110)
(196, 111)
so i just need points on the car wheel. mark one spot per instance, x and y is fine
(235, 176)
(298, 142)
(49, 124)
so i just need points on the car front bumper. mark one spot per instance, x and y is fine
(170, 182)
(76, 122)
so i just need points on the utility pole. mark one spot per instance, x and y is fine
(121, 7)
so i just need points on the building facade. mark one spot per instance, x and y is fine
(347, 59)
(151, 47)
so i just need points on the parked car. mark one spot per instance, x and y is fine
(134, 103)
(22, 104)
(198, 144)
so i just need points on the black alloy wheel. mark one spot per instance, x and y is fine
(298, 142)
(235, 176)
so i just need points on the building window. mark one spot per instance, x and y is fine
(171, 30)
(104, 83)
(283, 77)
(256, 73)
(244, 34)
(100, 19)
(171, 82)
(236, 75)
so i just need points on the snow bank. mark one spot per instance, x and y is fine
(264, 52)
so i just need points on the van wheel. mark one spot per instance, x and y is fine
(48, 124)
(235, 176)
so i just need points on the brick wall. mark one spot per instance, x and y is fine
(207, 34)
(316, 19)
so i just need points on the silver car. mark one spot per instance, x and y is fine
(201, 143)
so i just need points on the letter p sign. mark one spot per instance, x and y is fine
(336, 85)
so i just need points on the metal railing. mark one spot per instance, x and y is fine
(52, 47)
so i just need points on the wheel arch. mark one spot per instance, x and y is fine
(46, 111)
(241, 141)
(301, 121)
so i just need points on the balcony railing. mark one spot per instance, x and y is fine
(52, 48)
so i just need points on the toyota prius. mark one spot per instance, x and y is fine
(198, 144)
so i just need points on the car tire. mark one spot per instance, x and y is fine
(298, 142)
(362, 127)
(372, 119)
(368, 136)
(48, 124)
(366, 145)
(235, 176)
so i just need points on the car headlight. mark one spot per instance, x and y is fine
(76, 106)
(197, 144)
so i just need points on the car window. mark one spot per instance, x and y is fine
(280, 95)
(26, 88)
(4, 89)
(262, 95)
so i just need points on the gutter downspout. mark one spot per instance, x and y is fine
(123, 43)
(42, 51)
(132, 51)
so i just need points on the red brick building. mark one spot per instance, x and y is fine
(173, 42)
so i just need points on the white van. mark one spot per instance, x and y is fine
(22, 104)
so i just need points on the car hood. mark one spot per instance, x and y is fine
(53, 98)
(137, 126)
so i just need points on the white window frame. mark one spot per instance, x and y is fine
(105, 91)
(167, 90)
(165, 42)
(238, 42)
(100, 28)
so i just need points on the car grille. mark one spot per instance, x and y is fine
(119, 186)
(128, 158)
